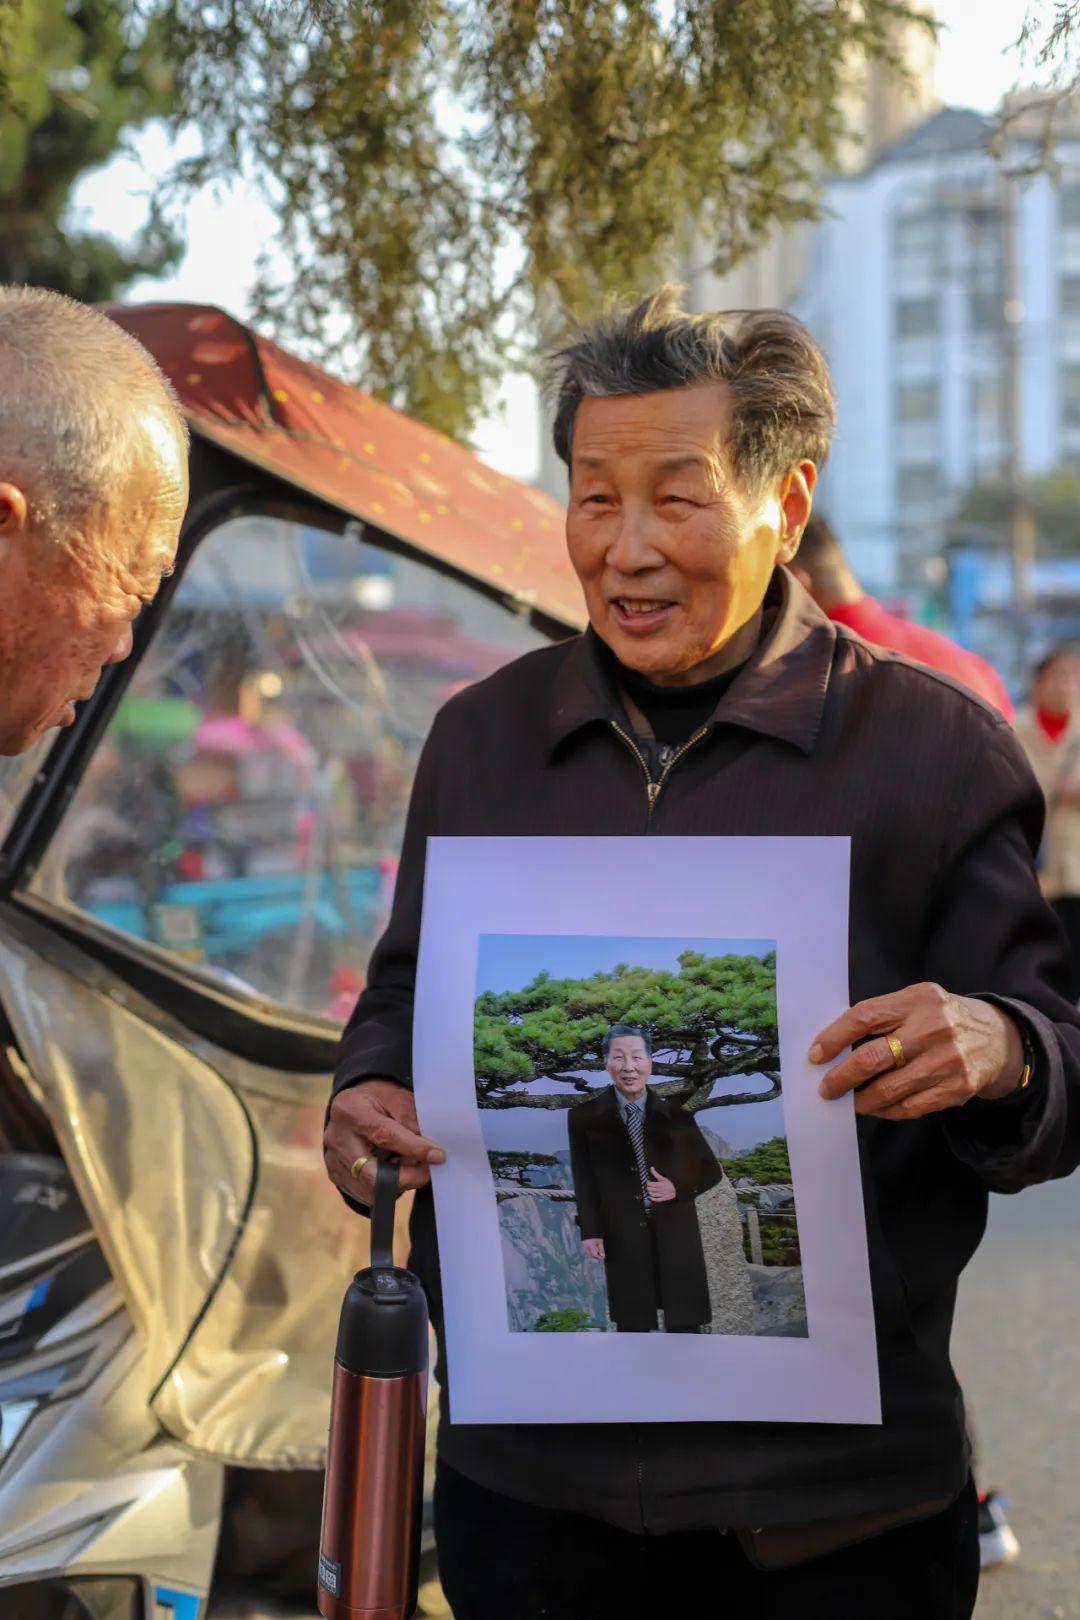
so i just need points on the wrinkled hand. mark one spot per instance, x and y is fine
(956, 1048)
(594, 1248)
(376, 1117)
(661, 1190)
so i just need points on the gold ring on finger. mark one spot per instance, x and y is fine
(896, 1047)
(358, 1165)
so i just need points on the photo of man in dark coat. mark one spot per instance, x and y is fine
(638, 1162)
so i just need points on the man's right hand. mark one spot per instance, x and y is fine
(594, 1248)
(376, 1117)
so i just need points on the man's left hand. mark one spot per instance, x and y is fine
(661, 1190)
(954, 1047)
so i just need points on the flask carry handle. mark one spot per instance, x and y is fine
(382, 1213)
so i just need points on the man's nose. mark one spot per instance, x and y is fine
(632, 550)
(122, 649)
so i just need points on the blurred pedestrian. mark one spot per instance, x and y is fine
(1049, 731)
(93, 487)
(822, 565)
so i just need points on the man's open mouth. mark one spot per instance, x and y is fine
(635, 606)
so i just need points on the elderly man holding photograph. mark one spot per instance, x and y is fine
(711, 696)
(639, 1220)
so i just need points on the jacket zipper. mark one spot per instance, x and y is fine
(654, 789)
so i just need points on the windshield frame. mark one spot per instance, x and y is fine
(240, 1020)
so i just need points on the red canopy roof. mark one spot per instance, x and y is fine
(243, 392)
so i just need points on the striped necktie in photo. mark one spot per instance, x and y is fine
(635, 1129)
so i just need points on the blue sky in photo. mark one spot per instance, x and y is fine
(511, 961)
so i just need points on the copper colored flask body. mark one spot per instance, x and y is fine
(369, 1552)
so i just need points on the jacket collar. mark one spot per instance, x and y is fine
(780, 691)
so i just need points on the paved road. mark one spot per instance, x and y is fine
(1017, 1351)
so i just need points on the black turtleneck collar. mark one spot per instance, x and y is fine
(674, 713)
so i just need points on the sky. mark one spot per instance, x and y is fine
(511, 961)
(543, 1130)
(226, 232)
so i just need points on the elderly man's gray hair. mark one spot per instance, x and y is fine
(73, 389)
(782, 399)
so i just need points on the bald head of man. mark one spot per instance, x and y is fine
(93, 488)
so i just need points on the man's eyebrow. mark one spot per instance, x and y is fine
(677, 463)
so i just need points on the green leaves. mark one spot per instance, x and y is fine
(74, 78)
(567, 1320)
(456, 180)
(713, 1019)
(765, 1164)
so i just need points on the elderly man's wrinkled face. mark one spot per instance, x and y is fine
(67, 604)
(629, 1065)
(673, 551)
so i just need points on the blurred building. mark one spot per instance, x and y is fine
(948, 298)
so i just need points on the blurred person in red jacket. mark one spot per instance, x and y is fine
(1049, 732)
(822, 566)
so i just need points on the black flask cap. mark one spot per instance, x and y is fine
(383, 1332)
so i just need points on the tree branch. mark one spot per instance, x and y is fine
(693, 1098)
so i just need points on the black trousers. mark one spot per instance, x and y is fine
(651, 1327)
(500, 1559)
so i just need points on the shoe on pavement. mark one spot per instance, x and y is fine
(997, 1540)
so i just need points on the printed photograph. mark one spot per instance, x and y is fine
(631, 1103)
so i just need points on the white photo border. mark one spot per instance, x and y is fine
(791, 890)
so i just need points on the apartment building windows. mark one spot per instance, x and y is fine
(986, 310)
(1070, 307)
(986, 398)
(918, 402)
(917, 317)
(1070, 396)
(917, 242)
(921, 485)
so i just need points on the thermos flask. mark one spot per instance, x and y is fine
(369, 1550)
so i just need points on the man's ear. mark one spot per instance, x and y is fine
(796, 502)
(13, 512)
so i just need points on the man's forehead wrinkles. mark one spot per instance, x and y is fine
(661, 459)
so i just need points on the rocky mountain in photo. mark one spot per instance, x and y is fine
(546, 1270)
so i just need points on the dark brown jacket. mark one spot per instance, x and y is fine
(607, 1192)
(820, 733)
